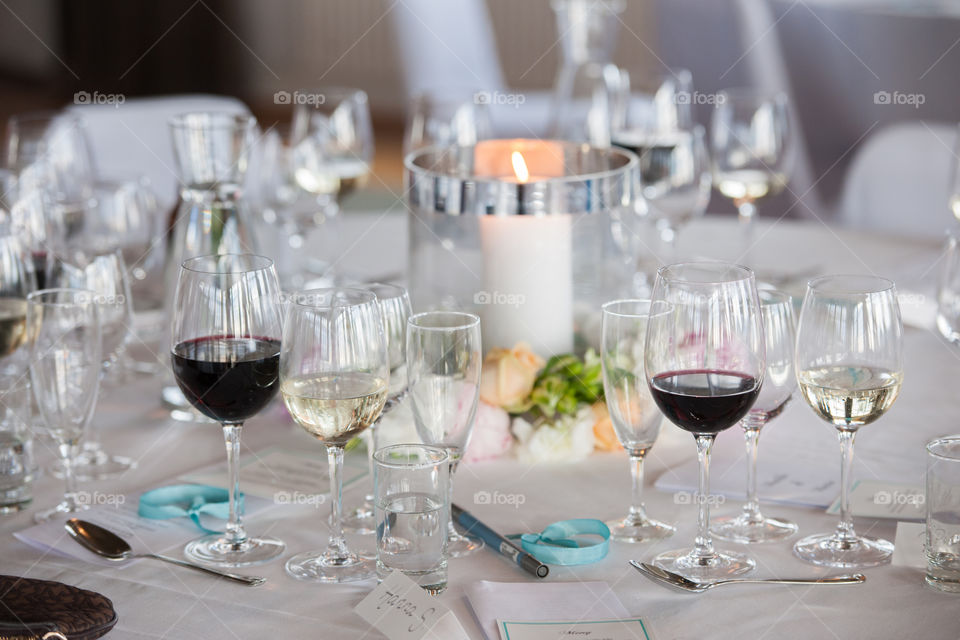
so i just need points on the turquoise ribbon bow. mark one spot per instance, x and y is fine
(556, 545)
(187, 500)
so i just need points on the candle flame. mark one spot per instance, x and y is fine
(520, 167)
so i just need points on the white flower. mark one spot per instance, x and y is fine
(568, 439)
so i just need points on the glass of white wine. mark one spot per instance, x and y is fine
(750, 133)
(849, 365)
(334, 378)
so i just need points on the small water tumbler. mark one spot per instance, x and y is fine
(943, 514)
(16, 455)
(410, 488)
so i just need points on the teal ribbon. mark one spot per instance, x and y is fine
(556, 544)
(187, 500)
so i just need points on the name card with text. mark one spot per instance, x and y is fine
(401, 610)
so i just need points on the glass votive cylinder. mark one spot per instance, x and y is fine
(16, 446)
(943, 514)
(411, 508)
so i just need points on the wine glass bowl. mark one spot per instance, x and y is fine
(849, 365)
(704, 364)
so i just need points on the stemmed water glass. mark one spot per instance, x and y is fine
(436, 121)
(636, 419)
(334, 373)
(779, 329)
(704, 362)
(64, 373)
(226, 360)
(749, 149)
(849, 367)
(394, 304)
(443, 374)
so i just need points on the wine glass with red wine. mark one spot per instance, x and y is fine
(226, 360)
(705, 361)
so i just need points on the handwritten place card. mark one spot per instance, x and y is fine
(630, 629)
(881, 500)
(401, 610)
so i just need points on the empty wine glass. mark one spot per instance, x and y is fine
(64, 374)
(849, 367)
(779, 329)
(17, 281)
(394, 305)
(704, 362)
(226, 360)
(749, 148)
(334, 374)
(436, 121)
(636, 419)
(443, 373)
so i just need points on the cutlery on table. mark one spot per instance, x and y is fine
(677, 581)
(109, 545)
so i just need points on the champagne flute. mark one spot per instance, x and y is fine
(443, 373)
(64, 374)
(335, 377)
(636, 419)
(749, 145)
(394, 305)
(226, 360)
(779, 329)
(849, 367)
(704, 362)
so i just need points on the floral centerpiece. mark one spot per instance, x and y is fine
(550, 410)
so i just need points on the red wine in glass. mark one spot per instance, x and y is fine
(704, 400)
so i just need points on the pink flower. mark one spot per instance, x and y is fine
(491, 434)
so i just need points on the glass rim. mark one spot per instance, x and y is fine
(192, 264)
(45, 115)
(663, 307)
(746, 272)
(470, 320)
(303, 297)
(213, 120)
(37, 297)
(817, 284)
(945, 440)
(437, 456)
(338, 90)
(396, 290)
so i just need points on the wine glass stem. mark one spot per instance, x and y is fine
(337, 546)
(637, 511)
(68, 453)
(231, 437)
(845, 532)
(668, 238)
(453, 533)
(751, 435)
(746, 212)
(703, 545)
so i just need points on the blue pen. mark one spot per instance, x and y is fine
(498, 543)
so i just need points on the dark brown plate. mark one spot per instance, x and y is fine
(77, 613)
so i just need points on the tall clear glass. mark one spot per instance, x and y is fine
(335, 377)
(65, 375)
(443, 374)
(849, 367)
(636, 419)
(704, 362)
(780, 335)
(226, 360)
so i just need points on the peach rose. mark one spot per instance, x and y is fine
(605, 439)
(508, 375)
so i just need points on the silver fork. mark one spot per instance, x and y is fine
(677, 581)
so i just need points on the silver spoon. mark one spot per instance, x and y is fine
(109, 545)
(685, 584)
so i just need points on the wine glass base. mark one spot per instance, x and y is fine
(826, 550)
(741, 530)
(95, 465)
(644, 530)
(216, 550)
(313, 566)
(722, 564)
(459, 546)
(64, 508)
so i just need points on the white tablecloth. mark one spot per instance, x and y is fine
(156, 600)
